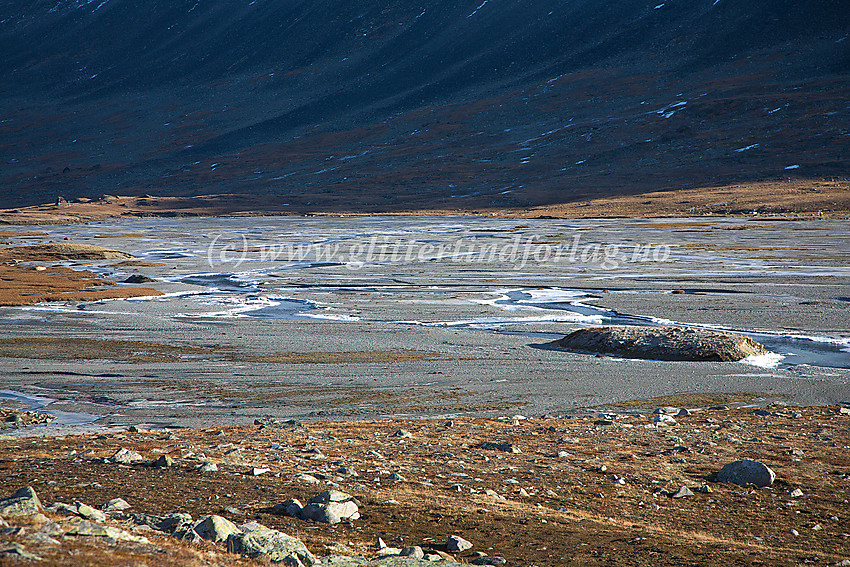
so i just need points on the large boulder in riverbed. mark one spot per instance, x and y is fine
(662, 343)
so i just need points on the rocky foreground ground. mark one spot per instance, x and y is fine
(615, 489)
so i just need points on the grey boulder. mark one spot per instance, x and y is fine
(257, 541)
(215, 528)
(331, 507)
(456, 544)
(747, 471)
(24, 502)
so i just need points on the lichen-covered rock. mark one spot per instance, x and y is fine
(86, 528)
(662, 343)
(256, 540)
(126, 457)
(215, 528)
(24, 502)
(89, 513)
(116, 505)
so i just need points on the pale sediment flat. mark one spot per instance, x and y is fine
(447, 316)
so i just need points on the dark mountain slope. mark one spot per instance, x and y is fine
(393, 105)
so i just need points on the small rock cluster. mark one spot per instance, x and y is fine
(329, 507)
(14, 418)
(250, 539)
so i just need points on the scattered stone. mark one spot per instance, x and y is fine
(164, 461)
(256, 541)
(793, 532)
(331, 507)
(309, 479)
(257, 471)
(493, 494)
(338, 548)
(168, 523)
(138, 278)
(43, 539)
(704, 489)
(87, 528)
(843, 563)
(663, 419)
(126, 457)
(18, 550)
(277, 423)
(662, 343)
(817, 527)
(412, 551)
(489, 560)
(389, 552)
(207, 466)
(402, 434)
(796, 493)
(116, 505)
(89, 513)
(456, 544)
(683, 492)
(504, 447)
(762, 412)
(215, 528)
(668, 410)
(52, 529)
(683, 412)
(291, 507)
(747, 471)
(24, 502)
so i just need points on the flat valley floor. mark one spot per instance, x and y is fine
(398, 317)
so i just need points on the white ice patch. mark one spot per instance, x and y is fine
(671, 109)
(750, 147)
(769, 360)
(795, 166)
(478, 8)
(498, 322)
(330, 316)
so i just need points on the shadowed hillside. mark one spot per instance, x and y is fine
(380, 106)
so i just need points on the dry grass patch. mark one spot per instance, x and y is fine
(59, 251)
(21, 285)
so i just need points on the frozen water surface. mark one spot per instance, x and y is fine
(476, 293)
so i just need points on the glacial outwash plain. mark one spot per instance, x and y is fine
(501, 282)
